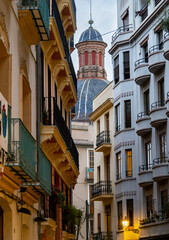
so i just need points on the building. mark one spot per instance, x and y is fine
(38, 88)
(139, 56)
(102, 191)
(92, 79)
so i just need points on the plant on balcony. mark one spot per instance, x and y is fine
(61, 199)
(165, 211)
(165, 22)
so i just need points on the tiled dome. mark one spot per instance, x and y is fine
(90, 34)
(87, 90)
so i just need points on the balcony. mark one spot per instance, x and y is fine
(156, 58)
(89, 175)
(22, 159)
(158, 114)
(34, 20)
(143, 127)
(142, 73)
(166, 45)
(145, 175)
(101, 191)
(160, 169)
(103, 236)
(122, 33)
(67, 10)
(103, 141)
(22, 155)
(57, 142)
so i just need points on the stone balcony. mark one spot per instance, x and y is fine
(143, 124)
(166, 46)
(158, 114)
(160, 169)
(142, 73)
(145, 175)
(156, 59)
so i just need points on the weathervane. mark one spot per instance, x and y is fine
(90, 21)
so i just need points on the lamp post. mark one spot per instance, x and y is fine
(125, 223)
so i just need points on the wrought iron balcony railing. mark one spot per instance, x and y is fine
(145, 167)
(22, 149)
(160, 160)
(122, 29)
(140, 62)
(129, 173)
(40, 12)
(55, 118)
(157, 2)
(103, 187)
(103, 236)
(56, 15)
(102, 138)
(157, 104)
(142, 114)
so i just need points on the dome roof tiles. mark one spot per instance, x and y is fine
(90, 34)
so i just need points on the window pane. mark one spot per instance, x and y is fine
(127, 114)
(129, 172)
(130, 211)
(126, 65)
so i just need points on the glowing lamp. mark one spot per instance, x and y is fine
(125, 222)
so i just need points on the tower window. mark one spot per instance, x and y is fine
(93, 57)
(100, 59)
(86, 58)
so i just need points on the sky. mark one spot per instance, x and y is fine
(104, 15)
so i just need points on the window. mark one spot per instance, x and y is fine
(164, 197)
(91, 229)
(98, 174)
(80, 60)
(120, 214)
(126, 65)
(149, 205)
(118, 160)
(127, 106)
(86, 58)
(160, 39)
(107, 122)
(162, 147)
(161, 92)
(125, 20)
(108, 218)
(129, 171)
(108, 167)
(130, 211)
(93, 57)
(99, 222)
(148, 155)
(98, 126)
(117, 117)
(100, 59)
(146, 102)
(145, 51)
(91, 159)
(116, 70)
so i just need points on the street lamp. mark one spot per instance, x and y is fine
(125, 223)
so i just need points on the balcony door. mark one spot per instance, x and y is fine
(1, 224)
(162, 147)
(146, 102)
(148, 155)
(108, 168)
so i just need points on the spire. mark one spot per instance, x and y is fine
(90, 21)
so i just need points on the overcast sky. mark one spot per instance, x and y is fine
(104, 16)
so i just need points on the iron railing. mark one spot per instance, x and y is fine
(103, 236)
(118, 128)
(140, 62)
(157, 2)
(103, 138)
(156, 47)
(89, 174)
(122, 29)
(118, 176)
(142, 115)
(102, 187)
(41, 6)
(22, 148)
(145, 167)
(157, 104)
(56, 15)
(55, 118)
(44, 172)
(160, 160)
(144, 12)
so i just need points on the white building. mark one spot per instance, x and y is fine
(139, 56)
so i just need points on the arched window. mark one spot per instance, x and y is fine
(86, 58)
(80, 60)
(93, 57)
(100, 59)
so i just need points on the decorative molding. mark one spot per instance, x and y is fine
(124, 144)
(125, 94)
(126, 194)
(3, 32)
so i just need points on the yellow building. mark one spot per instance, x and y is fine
(37, 90)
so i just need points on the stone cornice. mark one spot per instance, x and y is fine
(101, 109)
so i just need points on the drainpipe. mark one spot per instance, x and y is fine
(38, 77)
